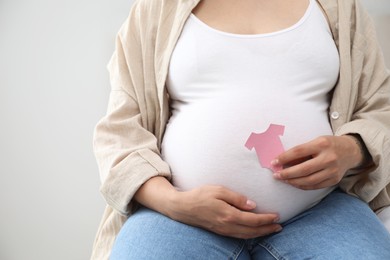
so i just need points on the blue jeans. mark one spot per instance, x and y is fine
(339, 227)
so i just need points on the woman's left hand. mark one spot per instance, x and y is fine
(319, 163)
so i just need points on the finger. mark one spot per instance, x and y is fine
(247, 224)
(244, 232)
(233, 198)
(298, 161)
(308, 149)
(310, 180)
(296, 153)
(325, 184)
(251, 219)
(304, 169)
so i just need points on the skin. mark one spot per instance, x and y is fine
(250, 16)
(317, 164)
(327, 159)
(214, 208)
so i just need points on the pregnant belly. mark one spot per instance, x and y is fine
(204, 148)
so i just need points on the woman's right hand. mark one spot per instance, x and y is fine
(213, 208)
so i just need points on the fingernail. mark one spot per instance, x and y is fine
(251, 204)
(276, 220)
(277, 175)
(274, 162)
(278, 229)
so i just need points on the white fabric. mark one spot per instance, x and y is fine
(225, 86)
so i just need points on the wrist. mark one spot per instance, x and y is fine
(158, 194)
(360, 151)
(173, 202)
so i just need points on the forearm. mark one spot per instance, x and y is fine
(157, 194)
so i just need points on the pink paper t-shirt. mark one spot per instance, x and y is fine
(267, 145)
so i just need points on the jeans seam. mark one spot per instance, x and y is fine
(236, 253)
(271, 250)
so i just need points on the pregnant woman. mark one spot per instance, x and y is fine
(245, 130)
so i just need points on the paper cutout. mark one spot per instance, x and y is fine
(267, 145)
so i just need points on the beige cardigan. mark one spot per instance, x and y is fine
(127, 140)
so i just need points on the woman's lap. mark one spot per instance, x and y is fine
(339, 227)
(150, 235)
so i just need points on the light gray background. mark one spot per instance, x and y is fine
(53, 89)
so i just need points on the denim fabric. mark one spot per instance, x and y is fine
(339, 227)
(384, 216)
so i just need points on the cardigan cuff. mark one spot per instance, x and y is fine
(126, 178)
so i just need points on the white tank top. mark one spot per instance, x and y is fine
(226, 89)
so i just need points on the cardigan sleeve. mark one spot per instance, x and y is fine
(371, 115)
(125, 146)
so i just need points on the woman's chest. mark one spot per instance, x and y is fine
(250, 16)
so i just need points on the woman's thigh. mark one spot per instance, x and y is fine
(339, 227)
(151, 235)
